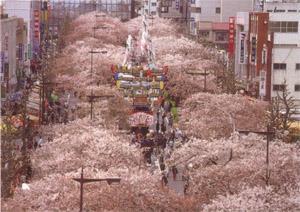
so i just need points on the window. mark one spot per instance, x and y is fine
(198, 9)
(297, 66)
(164, 9)
(292, 11)
(193, 1)
(279, 66)
(269, 11)
(153, 4)
(221, 36)
(297, 87)
(284, 26)
(204, 34)
(166, 3)
(278, 87)
(153, 13)
(218, 10)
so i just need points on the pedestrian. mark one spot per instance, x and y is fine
(40, 141)
(174, 172)
(164, 179)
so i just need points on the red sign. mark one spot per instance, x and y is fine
(36, 23)
(231, 36)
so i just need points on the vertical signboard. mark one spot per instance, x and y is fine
(29, 51)
(242, 50)
(177, 4)
(36, 24)
(262, 83)
(2, 67)
(231, 36)
(20, 52)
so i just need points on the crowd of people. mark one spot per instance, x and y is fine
(60, 107)
(159, 141)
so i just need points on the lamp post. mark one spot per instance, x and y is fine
(83, 180)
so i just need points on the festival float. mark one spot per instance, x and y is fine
(140, 80)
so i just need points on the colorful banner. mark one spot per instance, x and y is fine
(231, 36)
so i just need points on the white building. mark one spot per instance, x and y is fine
(209, 18)
(241, 47)
(150, 7)
(285, 23)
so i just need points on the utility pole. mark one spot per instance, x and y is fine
(205, 73)
(92, 95)
(83, 180)
(268, 133)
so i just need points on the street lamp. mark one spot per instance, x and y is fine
(83, 180)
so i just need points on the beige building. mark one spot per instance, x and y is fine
(13, 56)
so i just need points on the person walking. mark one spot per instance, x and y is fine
(174, 172)
(164, 179)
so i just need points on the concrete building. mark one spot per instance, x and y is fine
(13, 56)
(209, 19)
(27, 10)
(150, 7)
(260, 44)
(177, 10)
(284, 23)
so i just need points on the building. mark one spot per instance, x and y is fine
(259, 60)
(177, 10)
(241, 45)
(209, 19)
(284, 23)
(13, 55)
(30, 11)
(150, 7)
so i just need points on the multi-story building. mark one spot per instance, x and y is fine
(177, 9)
(30, 11)
(284, 23)
(267, 49)
(150, 7)
(13, 56)
(259, 51)
(209, 19)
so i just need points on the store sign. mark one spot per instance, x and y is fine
(20, 48)
(231, 36)
(29, 51)
(262, 83)
(36, 24)
(177, 4)
(242, 45)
